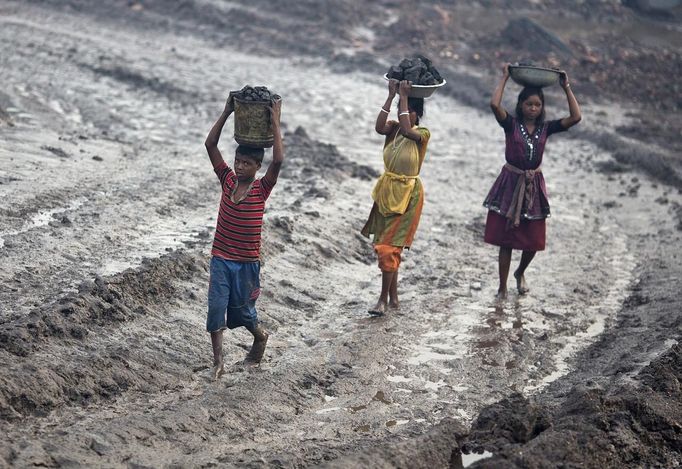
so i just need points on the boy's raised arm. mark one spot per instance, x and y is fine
(277, 147)
(211, 142)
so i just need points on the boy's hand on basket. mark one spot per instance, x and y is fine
(276, 112)
(229, 105)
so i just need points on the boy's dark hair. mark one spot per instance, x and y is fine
(416, 105)
(526, 93)
(252, 153)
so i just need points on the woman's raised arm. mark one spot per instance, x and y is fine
(573, 106)
(381, 125)
(496, 99)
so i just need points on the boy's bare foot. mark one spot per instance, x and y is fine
(260, 340)
(521, 283)
(501, 294)
(379, 309)
(218, 370)
(393, 305)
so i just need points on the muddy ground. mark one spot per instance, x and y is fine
(108, 210)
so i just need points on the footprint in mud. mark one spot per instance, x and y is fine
(381, 397)
(357, 408)
(204, 373)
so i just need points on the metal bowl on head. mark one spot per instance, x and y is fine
(421, 91)
(530, 75)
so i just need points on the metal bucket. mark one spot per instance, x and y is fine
(529, 75)
(252, 126)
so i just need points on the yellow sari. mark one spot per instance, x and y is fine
(398, 194)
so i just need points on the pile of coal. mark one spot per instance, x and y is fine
(419, 70)
(255, 93)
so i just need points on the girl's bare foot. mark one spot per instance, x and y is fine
(521, 283)
(501, 294)
(218, 370)
(379, 309)
(393, 305)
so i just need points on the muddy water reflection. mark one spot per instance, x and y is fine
(43, 218)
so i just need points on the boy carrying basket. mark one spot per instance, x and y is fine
(234, 283)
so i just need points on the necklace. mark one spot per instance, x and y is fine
(234, 192)
(531, 140)
(402, 140)
(398, 147)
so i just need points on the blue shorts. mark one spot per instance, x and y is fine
(232, 293)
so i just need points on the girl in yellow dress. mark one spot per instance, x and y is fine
(398, 194)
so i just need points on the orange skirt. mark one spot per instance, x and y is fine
(389, 257)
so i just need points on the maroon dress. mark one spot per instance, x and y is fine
(523, 153)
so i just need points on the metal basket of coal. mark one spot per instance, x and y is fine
(252, 123)
(530, 75)
(422, 91)
(421, 72)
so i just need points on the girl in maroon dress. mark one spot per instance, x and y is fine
(517, 203)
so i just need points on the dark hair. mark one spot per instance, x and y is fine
(526, 93)
(253, 153)
(416, 105)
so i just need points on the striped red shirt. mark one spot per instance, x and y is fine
(238, 230)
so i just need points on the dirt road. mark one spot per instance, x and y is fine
(108, 210)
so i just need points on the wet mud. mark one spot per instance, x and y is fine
(107, 216)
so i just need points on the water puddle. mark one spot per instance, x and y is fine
(41, 219)
(426, 354)
(327, 410)
(433, 386)
(398, 379)
(394, 423)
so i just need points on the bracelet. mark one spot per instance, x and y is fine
(387, 112)
(404, 113)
